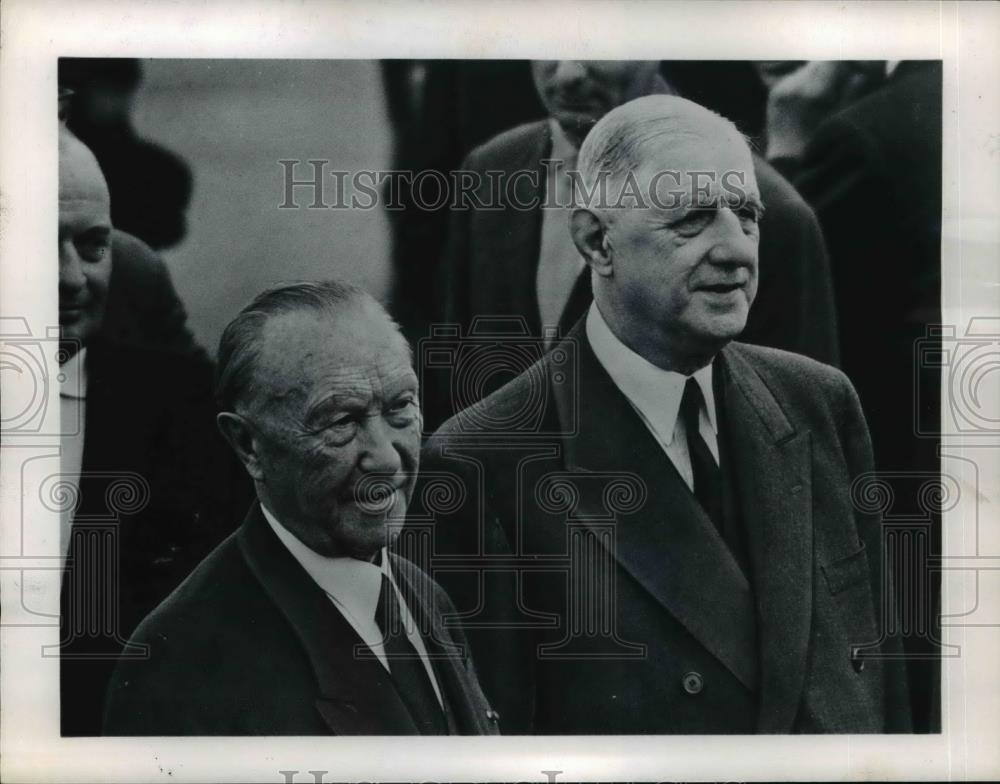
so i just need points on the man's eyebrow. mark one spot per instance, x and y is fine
(335, 400)
(751, 199)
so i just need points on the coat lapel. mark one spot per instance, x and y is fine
(356, 695)
(517, 242)
(669, 545)
(466, 714)
(773, 461)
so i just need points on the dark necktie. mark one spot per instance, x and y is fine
(406, 666)
(707, 474)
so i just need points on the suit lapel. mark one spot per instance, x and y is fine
(449, 660)
(669, 545)
(356, 695)
(774, 481)
(519, 240)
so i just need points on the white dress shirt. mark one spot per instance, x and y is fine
(655, 394)
(354, 586)
(72, 416)
(559, 262)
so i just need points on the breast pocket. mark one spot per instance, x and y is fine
(851, 599)
(847, 571)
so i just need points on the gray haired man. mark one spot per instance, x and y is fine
(302, 623)
(735, 587)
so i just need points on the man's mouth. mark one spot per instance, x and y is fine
(721, 288)
(71, 313)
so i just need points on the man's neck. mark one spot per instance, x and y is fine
(664, 354)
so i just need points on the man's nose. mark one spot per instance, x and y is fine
(732, 245)
(569, 71)
(379, 447)
(71, 277)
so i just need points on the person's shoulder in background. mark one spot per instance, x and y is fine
(522, 141)
(143, 308)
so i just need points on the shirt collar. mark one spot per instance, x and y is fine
(655, 392)
(73, 375)
(353, 584)
(891, 66)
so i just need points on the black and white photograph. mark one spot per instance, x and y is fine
(642, 415)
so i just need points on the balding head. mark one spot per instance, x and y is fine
(623, 139)
(84, 242)
(80, 174)
(673, 245)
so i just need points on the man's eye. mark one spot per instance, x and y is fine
(749, 217)
(695, 221)
(404, 410)
(340, 430)
(92, 251)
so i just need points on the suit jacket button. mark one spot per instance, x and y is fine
(692, 682)
(492, 715)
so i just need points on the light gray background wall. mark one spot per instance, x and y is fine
(232, 121)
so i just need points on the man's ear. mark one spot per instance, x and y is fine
(591, 239)
(237, 431)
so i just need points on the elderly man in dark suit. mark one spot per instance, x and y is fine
(150, 486)
(673, 509)
(518, 259)
(301, 623)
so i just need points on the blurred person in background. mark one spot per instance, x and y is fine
(150, 487)
(861, 140)
(150, 185)
(522, 262)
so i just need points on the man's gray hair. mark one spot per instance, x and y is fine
(614, 144)
(240, 341)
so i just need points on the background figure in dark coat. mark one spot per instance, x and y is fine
(158, 487)
(150, 185)
(606, 590)
(440, 110)
(871, 168)
(153, 486)
(493, 256)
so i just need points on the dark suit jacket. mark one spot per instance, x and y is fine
(873, 175)
(684, 641)
(492, 256)
(250, 645)
(159, 488)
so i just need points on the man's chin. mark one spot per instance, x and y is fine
(576, 125)
(365, 534)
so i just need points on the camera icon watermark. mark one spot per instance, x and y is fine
(468, 367)
(970, 366)
(29, 366)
